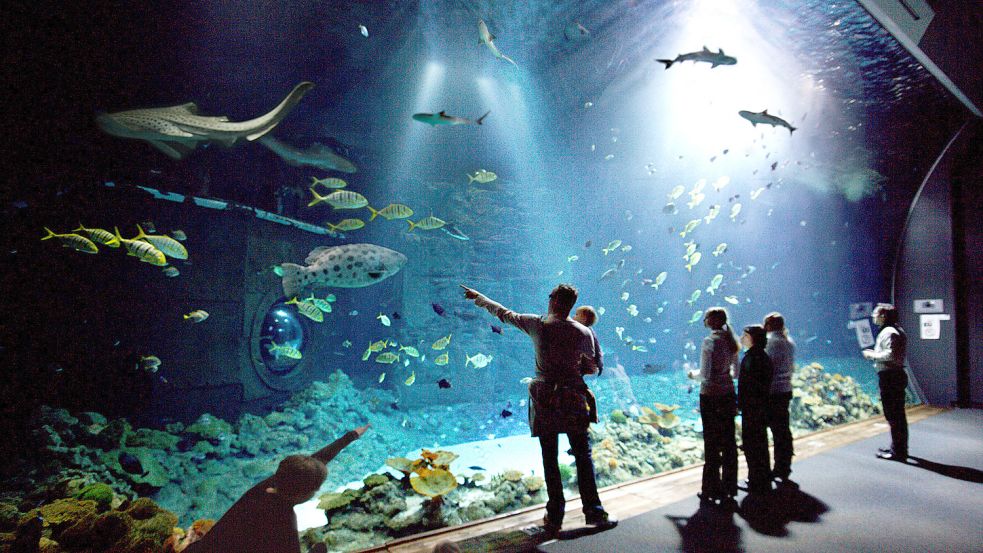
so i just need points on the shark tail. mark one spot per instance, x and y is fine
(667, 62)
(791, 130)
(273, 118)
(480, 119)
(510, 60)
(293, 279)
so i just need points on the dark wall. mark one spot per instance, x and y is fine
(968, 234)
(952, 42)
(928, 267)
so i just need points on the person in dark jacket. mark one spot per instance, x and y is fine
(263, 519)
(753, 389)
(558, 397)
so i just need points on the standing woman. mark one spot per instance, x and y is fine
(888, 356)
(753, 389)
(781, 351)
(718, 407)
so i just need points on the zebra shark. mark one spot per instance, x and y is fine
(177, 130)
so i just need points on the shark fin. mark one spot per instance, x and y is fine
(765, 112)
(491, 37)
(712, 65)
(442, 113)
(721, 52)
(190, 107)
(707, 50)
(480, 119)
(175, 150)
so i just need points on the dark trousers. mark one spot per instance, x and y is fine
(754, 434)
(778, 423)
(555, 505)
(893, 383)
(719, 445)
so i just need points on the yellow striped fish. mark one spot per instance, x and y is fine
(339, 199)
(99, 235)
(166, 244)
(428, 223)
(392, 211)
(77, 242)
(308, 310)
(144, 251)
(328, 182)
(346, 225)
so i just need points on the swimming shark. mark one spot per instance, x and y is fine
(488, 39)
(443, 119)
(176, 130)
(704, 55)
(345, 266)
(317, 155)
(766, 118)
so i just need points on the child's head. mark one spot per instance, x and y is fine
(754, 335)
(585, 315)
(298, 478)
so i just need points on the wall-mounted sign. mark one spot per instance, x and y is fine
(861, 310)
(865, 336)
(929, 306)
(931, 326)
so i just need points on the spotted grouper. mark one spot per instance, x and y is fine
(345, 266)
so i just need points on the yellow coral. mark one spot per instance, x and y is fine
(607, 443)
(666, 408)
(534, 483)
(433, 483)
(512, 475)
(612, 463)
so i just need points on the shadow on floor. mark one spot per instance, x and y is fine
(770, 513)
(709, 529)
(952, 471)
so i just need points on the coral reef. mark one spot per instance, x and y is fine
(821, 400)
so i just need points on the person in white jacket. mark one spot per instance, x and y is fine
(888, 356)
(781, 351)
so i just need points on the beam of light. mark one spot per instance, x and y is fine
(413, 131)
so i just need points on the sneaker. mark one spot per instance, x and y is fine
(601, 519)
(884, 450)
(785, 482)
(891, 456)
(706, 499)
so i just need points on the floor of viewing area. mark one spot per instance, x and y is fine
(848, 501)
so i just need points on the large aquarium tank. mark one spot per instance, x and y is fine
(234, 231)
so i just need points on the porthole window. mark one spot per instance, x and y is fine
(281, 339)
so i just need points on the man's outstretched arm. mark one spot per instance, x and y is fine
(504, 314)
(329, 452)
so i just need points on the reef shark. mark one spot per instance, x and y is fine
(317, 155)
(443, 119)
(704, 55)
(766, 118)
(489, 39)
(177, 130)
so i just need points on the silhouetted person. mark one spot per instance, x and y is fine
(753, 389)
(781, 351)
(718, 407)
(888, 356)
(263, 519)
(558, 397)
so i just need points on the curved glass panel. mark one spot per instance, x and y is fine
(281, 339)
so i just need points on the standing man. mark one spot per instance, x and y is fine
(888, 356)
(558, 397)
(781, 350)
